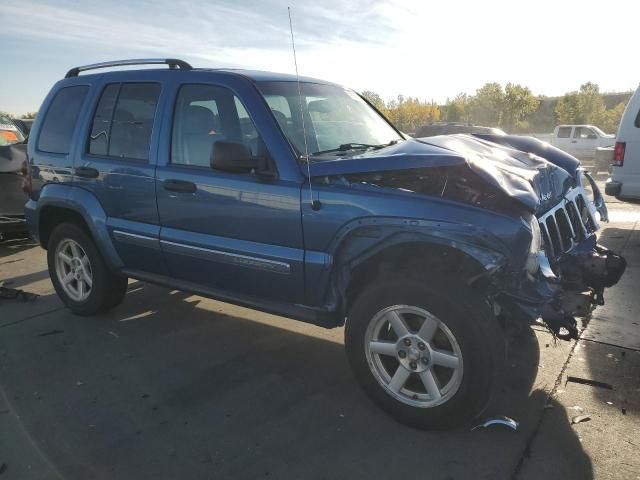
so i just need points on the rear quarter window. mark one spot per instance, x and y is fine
(61, 119)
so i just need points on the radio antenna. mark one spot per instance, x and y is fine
(315, 204)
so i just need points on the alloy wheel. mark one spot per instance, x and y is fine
(413, 356)
(73, 270)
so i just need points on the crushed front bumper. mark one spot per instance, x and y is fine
(574, 269)
(557, 298)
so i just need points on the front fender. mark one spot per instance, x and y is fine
(85, 204)
(362, 239)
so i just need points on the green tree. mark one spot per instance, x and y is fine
(374, 99)
(409, 114)
(585, 106)
(612, 118)
(591, 107)
(543, 119)
(513, 108)
(486, 105)
(567, 108)
(457, 109)
(518, 102)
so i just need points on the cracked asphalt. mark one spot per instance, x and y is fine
(172, 385)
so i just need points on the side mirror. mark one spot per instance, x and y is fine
(232, 157)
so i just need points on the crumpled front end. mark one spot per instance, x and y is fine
(574, 269)
(538, 207)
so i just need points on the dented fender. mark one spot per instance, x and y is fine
(364, 239)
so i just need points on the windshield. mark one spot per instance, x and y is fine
(9, 133)
(337, 121)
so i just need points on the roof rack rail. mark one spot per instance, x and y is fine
(172, 62)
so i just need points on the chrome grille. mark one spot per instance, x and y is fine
(568, 223)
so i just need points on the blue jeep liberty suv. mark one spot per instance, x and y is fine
(297, 197)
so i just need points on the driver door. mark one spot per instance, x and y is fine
(231, 232)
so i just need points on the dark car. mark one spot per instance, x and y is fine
(296, 197)
(13, 165)
(10, 134)
(24, 124)
(454, 128)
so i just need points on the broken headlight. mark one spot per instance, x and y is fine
(533, 262)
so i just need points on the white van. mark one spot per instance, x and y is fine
(624, 182)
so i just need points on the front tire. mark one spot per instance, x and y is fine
(425, 352)
(78, 272)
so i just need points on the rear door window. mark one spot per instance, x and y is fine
(123, 121)
(61, 119)
(564, 132)
(102, 120)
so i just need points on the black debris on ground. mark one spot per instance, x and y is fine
(50, 332)
(587, 381)
(16, 294)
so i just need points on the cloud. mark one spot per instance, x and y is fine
(199, 28)
(334, 40)
(426, 49)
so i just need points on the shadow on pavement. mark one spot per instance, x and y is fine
(26, 279)
(169, 385)
(13, 246)
(523, 368)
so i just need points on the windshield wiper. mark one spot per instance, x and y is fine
(345, 147)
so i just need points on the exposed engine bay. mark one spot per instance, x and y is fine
(571, 270)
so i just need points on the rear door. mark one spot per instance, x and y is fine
(117, 164)
(584, 141)
(563, 139)
(232, 232)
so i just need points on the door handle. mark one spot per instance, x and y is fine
(87, 172)
(179, 186)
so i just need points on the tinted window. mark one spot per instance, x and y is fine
(123, 120)
(205, 114)
(61, 118)
(637, 122)
(564, 132)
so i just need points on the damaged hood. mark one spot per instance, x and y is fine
(528, 179)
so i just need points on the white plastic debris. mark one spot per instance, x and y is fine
(500, 420)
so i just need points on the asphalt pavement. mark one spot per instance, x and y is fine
(171, 385)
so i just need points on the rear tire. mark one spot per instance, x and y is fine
(78, 272)
(431, 383)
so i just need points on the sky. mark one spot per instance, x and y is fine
(429, 49)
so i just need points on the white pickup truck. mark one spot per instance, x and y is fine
(581, 141)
